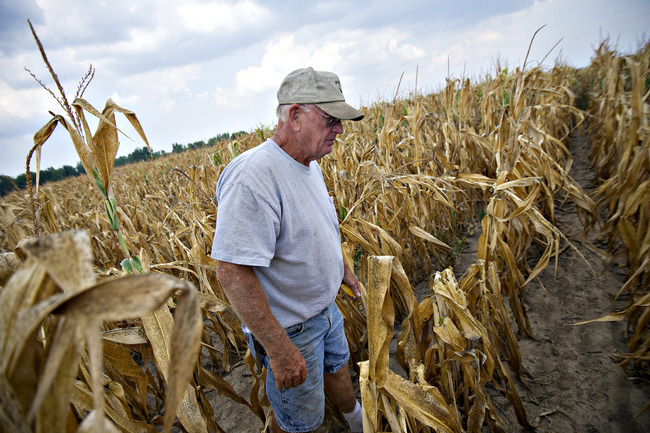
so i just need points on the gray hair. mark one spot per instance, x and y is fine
(282, 111)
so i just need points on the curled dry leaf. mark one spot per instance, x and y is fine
(80, 306)
(9, 264)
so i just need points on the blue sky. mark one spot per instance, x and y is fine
(193, 69)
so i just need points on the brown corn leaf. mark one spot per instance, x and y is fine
(119, 358)
(82, 400)
(186, 341)
(131, 335)
(159, 328)
(380, 316)
(82, 305)
(104, 144)
(12, 416)
(388, 409)
(369, 397)
(417, 231)
(221, 386)
(55, 384)
(426, 405)
(9, 264)
(71, 271)
(450, 335)
(84, 152)
(612, 317)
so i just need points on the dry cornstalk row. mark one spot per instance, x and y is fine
(409, 182)
(620, 135)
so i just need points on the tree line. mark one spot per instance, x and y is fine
(8, 184)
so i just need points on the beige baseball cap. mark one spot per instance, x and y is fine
(323, 89)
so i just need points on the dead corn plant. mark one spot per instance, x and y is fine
(388, 399)
(56, 371)
(619, 107)
(409, 182)
(138, 340)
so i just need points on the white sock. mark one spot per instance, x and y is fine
(355, 419)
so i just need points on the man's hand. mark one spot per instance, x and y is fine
(288, 366)
(351, 281)
(245, 293)
(348, 292)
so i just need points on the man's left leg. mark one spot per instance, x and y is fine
(338, 386)
(336, 377)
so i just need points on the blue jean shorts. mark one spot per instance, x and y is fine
(322, 342)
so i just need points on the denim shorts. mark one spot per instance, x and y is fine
(322, 342)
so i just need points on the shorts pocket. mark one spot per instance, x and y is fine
(295, 329)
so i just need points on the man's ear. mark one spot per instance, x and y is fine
(293, 116)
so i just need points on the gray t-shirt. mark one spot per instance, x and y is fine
(276, 215)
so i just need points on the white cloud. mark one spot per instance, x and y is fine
(482, 36)
(24, 111)
(167, 81)
(141, 41)
(167, 104)
(220, 16)
(279, 57)
(221, 97)
(405, 51)
(337, 52)
(230, 99)
(191, 69)
(125, 101)
(283, 55)
(18, 104)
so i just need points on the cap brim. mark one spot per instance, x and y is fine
(341, 110)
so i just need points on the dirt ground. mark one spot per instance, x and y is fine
(574, 382)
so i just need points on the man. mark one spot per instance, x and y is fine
(279, 250)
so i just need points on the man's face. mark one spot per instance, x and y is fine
(320, 132)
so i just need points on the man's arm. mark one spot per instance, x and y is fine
(245, 293)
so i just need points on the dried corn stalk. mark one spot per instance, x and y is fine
(409, 182)
(448, 356)
(402, 402)
(53, 311)
(620, 136)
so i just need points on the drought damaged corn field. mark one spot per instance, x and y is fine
(452, 209)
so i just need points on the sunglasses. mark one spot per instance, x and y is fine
(331, 120)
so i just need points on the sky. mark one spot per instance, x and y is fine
(193, 69)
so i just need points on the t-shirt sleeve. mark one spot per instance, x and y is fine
(247, 227)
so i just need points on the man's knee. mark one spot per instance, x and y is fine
(338, 386)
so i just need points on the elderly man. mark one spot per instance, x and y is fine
(279, 250)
